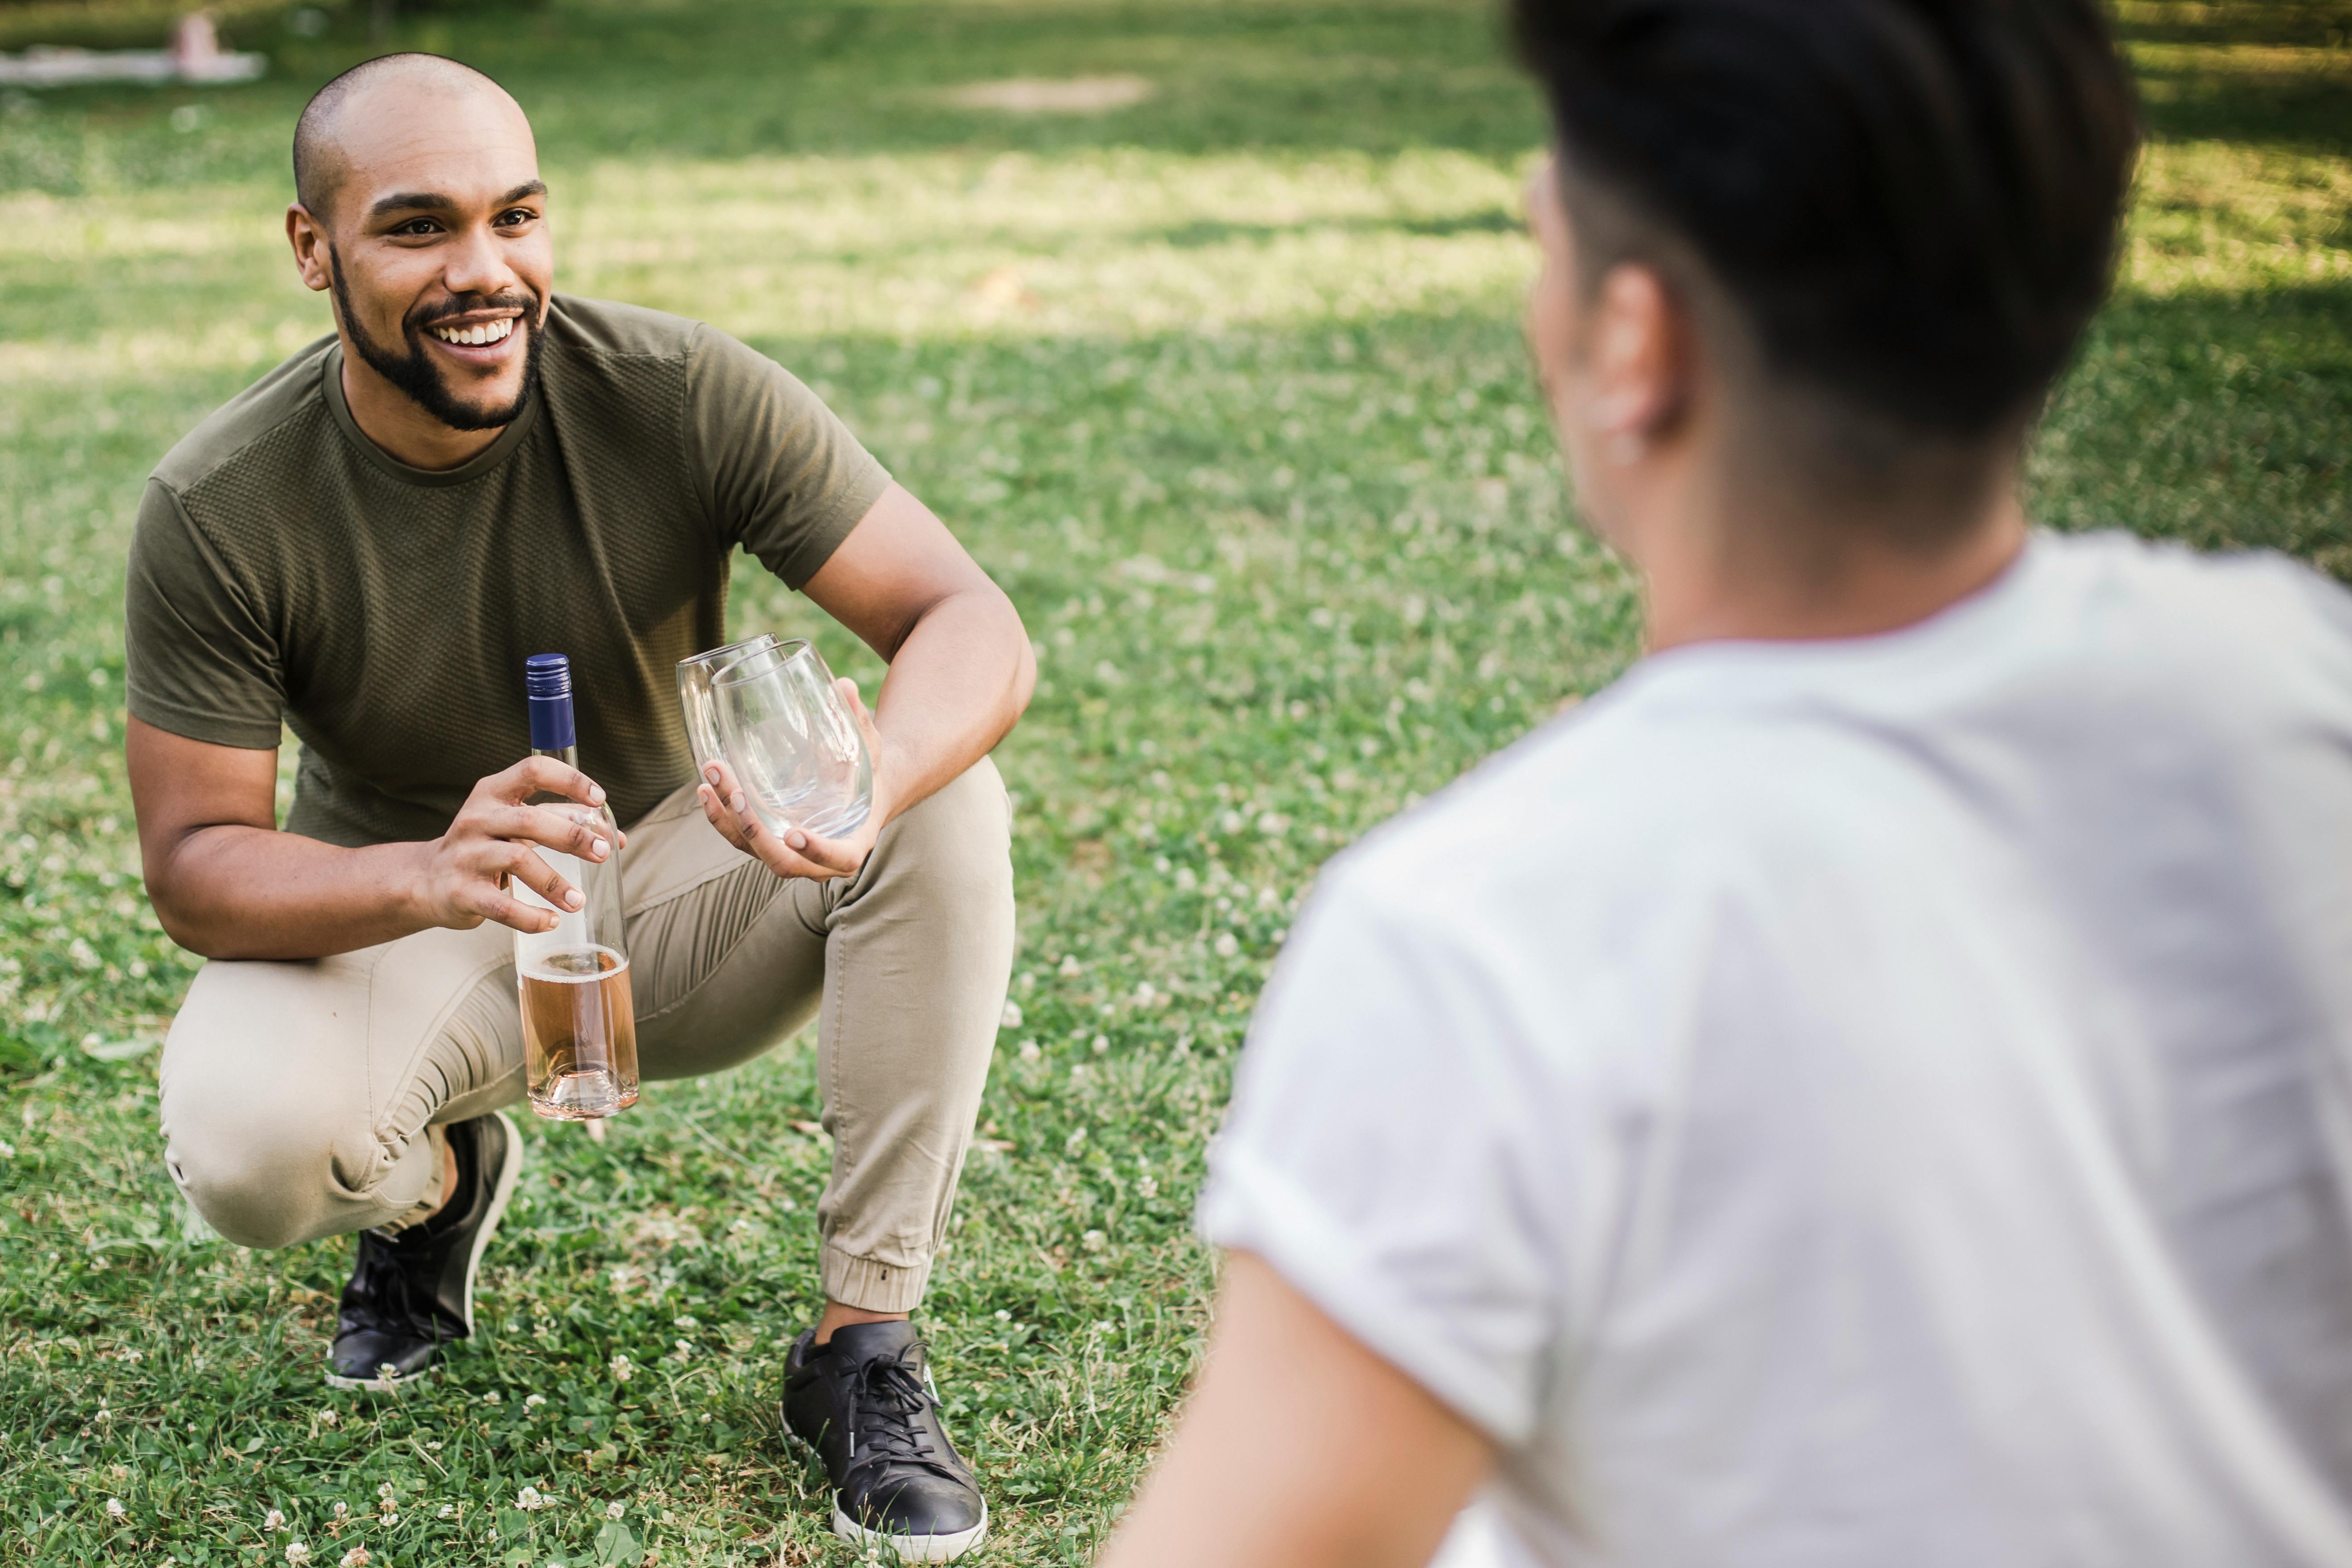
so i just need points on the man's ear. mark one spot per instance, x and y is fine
(1640, 361)
(308, 236)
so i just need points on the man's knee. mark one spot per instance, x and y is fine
(957, 844)
(253, 1171)
(268, 1140)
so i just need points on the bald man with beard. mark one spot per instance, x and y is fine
(365, 546)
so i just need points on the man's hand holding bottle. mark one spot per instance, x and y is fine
(463, 880)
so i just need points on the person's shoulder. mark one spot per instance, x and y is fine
(2222, 615)
(239, 430)
(1594, 809)
(609, 328)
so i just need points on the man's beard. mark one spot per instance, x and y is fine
(415, 374)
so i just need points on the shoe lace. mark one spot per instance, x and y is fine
(886, 1396)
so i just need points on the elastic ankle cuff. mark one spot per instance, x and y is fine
(869, 1286)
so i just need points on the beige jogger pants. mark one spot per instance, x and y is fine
(297, 1096)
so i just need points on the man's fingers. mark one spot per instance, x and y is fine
(720, 817)
(834, 856)
(560, 828)
(533, 775)
(511, 912)
(525, 865)
(780, 857)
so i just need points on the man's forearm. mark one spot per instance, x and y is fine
(238, 892)
(956, 687)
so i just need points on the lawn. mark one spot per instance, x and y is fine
(1224, 386)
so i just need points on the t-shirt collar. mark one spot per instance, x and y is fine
(482, 462)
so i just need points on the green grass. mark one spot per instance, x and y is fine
(1226, 389)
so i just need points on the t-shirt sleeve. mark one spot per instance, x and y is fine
(200, 662)
(1379, 1157)
(782, 475)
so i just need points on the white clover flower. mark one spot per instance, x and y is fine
(622, 1370)
(1094, 1241)
(1226, 944)
(341, 1509)
(531, 1498)
(616, 1509)
(1145, 1186)
(1012, 1018)
(444, 1510)
(357, 1557)
(491, 1397)
(1002, 1316)
(114, 1506)
(328, 1418)
(272, 1521)
(686, 1322)
(384, 1491)
(298, 1554)
(1030, 1052)
(533, 1401)
(684, 1349)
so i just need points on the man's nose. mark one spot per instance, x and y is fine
(476, 264)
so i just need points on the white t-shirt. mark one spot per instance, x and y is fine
(1878, 1103)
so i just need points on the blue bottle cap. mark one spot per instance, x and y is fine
(547, 684)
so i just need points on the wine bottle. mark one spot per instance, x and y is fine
(578, 1026)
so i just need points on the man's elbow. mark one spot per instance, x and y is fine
(178, 908)
(1024, 679)
(178, 923)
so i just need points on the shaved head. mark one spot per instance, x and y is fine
(321, 157)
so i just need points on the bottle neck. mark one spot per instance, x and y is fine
(568, 755)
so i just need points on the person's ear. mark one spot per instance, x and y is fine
(1638, 363)
(308, 236)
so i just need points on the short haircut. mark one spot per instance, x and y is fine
(1912, 205)
(316, 162)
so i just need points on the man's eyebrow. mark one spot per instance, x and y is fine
(433, 201)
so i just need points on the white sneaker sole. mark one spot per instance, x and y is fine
(914, 1548)
(501, 1194)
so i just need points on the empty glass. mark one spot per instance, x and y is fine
(794, 746)
(694, 677)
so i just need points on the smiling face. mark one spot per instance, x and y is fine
(435, 241)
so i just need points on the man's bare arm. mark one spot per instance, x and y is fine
(227, 884)
(960, 672)
(1299, 1449)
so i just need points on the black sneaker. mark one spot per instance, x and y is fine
(412, 1291)
(866, 1404)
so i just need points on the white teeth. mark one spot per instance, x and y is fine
(481, 333)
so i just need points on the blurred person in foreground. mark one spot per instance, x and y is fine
(365, 545)
(1871, 1087)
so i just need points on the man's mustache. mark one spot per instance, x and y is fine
(513, 299)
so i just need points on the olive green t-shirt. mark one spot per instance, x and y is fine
(285, 567)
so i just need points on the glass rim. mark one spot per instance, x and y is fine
(733, 673)
(713, 656)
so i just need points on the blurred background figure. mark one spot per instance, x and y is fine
(1866, 1090)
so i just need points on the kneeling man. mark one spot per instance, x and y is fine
(365, 545)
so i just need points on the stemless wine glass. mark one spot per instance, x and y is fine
(694, 677)
(795, 747)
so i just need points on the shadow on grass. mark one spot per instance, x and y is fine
(2225, 420)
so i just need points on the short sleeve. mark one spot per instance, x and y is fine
(1382, 1155)
(200, 662)
(782, 475)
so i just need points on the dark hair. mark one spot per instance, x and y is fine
(1913, 204)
